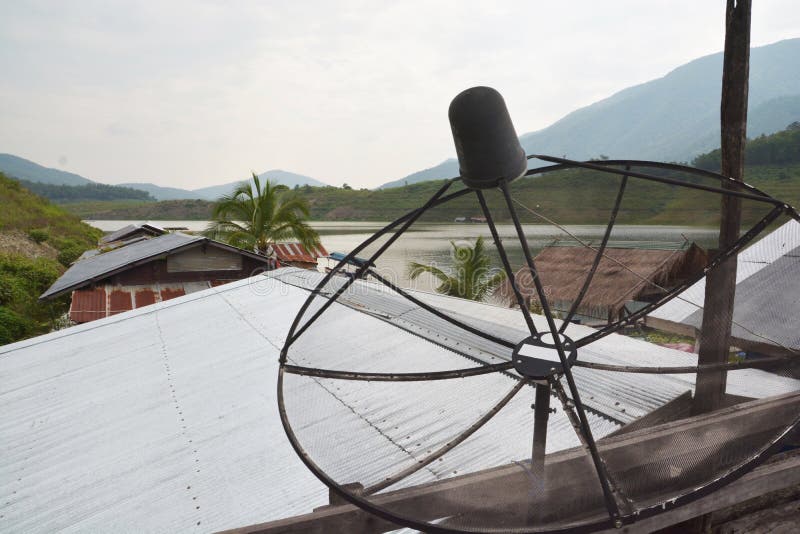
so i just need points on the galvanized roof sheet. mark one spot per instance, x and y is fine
(767, 291)
(620, 397)
(164, 418)
(766, 304)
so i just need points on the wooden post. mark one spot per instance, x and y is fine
(721, 283)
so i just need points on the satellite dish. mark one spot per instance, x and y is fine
(449, 416)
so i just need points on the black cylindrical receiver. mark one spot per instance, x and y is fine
(487, 145)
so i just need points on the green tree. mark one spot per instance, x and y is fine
(256, 215)
(471, 276)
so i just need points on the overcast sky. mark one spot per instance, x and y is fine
(191, 94)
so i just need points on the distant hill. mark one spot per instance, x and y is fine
(21, 168)
(673, 118)
(779, 149)
(574, 196)
(286, 178)
(676, 117)
(60, 186)
(87, 192)
(446, 169)
(162, 193)
(213, 192)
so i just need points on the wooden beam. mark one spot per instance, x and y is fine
(503, 495)
(670, 326)
(781, 472)
(677, 408)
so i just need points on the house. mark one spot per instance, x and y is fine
(350, 268)
(297, 255)
(146, 271)
(627, 277)
(767, 297)
(132, 231)
(165, 418)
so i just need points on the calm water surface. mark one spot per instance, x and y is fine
(429, 243)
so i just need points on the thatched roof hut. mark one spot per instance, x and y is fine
(625, 277)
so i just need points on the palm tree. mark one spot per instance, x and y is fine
(254, 216)
(471, 276)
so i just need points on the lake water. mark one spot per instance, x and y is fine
(429, 243)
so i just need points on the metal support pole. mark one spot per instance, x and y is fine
(541, 415)
(584, 430)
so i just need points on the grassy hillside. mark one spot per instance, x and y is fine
(573, 196)
(170, 210)
(24, 211)
(37, 241)
(569, 197)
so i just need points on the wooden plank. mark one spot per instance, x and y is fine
(503, 494)
(670, 326)
(782, 472)
(677, 408)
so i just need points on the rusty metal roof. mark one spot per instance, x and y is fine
(295, 252)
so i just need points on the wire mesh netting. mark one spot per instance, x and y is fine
(422, 407)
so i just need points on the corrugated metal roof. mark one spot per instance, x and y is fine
(165, 418)
(766, 303)
(765, 297)
(295, 252)
(619, 396)
(110, 246)
(132, 229)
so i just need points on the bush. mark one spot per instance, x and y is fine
(69, 251)
(13, 326)
(40, 235)
(22, 280)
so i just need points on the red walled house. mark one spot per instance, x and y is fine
(150, 271)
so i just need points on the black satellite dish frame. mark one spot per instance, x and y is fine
(616, 518)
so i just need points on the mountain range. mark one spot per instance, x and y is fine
(213, 192)
(673, 118)
(24, 169)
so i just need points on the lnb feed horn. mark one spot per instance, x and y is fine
(486, 143)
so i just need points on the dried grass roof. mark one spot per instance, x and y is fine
(623, 274)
